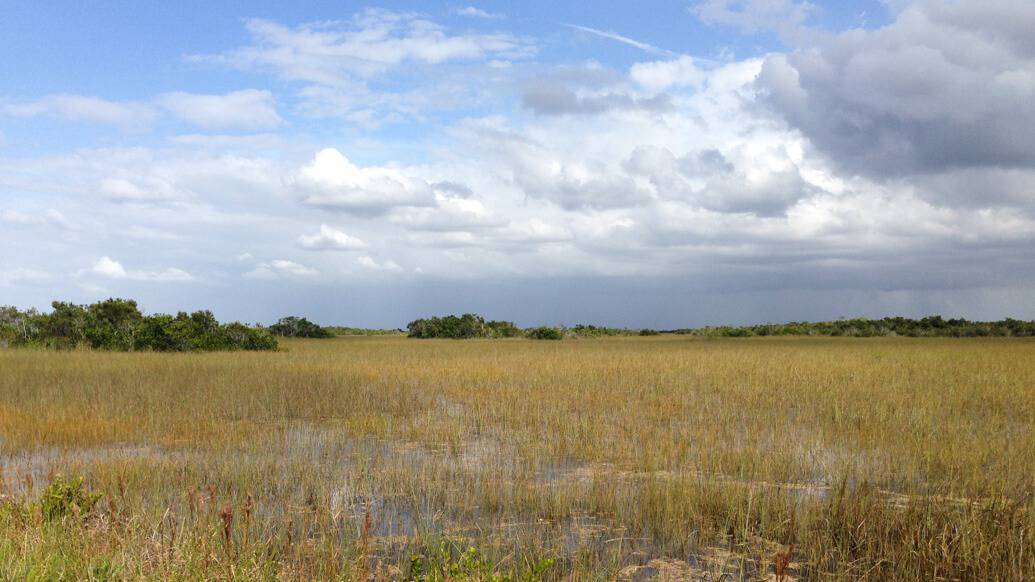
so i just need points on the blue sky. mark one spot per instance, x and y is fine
(668, 164)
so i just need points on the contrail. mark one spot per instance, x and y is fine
(649, 48)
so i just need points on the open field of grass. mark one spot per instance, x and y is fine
(627, 458)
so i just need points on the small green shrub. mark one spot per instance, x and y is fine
(450, 562)
(544, 332)
(503, 329)
(64, 498)
(299, 327)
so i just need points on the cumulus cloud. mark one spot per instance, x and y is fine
(945, 86)
(590, 185)
(248, 109)
(330, 239)
(541, 171)
(833, 166)
(112, 269)
(660, 75)
(82, 108)
(582, 185)
(333, 182)
(280, 268)
(450, 213)
(707, 179)
(373, 265)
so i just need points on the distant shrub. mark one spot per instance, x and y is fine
(118, 325)
(583, 330)
(646, 332)
(298, 327)
(503, 329)
(339, 330)
(465, 326)
(544, 333)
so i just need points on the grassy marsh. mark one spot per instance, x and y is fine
(671, 457)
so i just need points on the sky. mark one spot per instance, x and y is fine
(661, 164)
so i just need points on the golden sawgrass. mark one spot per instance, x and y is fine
(878, 458)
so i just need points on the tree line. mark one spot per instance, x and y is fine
(932, 326)
(470, 325)
(119, 325)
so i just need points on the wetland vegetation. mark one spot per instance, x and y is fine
(672, 457)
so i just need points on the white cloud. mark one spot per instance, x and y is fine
(83, 108)
(369, 263)
(112, 269)
(292, 268)
(129, 191)
(333, 182)
(373, 41)
(278, 268)
(475, 12)
(36, 218)
(247, 109)
(660, 75)
(534, 231)
(57, 218)
(341, 66)
(450, 213)
(107, 267)
(330, 239)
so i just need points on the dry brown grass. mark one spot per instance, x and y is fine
(878, 458)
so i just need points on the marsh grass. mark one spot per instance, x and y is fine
(622, 457)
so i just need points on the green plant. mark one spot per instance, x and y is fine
(451, 562)
(299, 327)
(545, 333)
(118, 325)
(465, 326)
(503, 329)
(63, 498)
